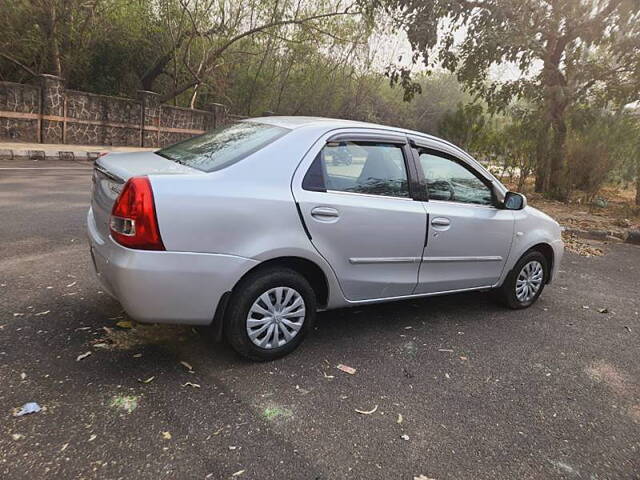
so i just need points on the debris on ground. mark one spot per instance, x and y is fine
(141, 334)
(125, 324)
(301, 390)
(93, 437)
(367, 412)
(404, 437)
(39, 314)
(147, 380)
(346, 369)
(400, 419)
(445, 350)
(186, 365)
(166, 435)
(23, 376)
(191, 384)
(82, 356)
(17, 436)
(27, 408)
(423, 477)
(128, 403)
(327, 376)
(603, 310)
(71, 284)
(238, 473)
(573, 244)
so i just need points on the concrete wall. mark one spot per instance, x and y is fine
(47, 112)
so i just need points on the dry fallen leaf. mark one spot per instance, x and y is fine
(71, 284)
(190, 384)
(186, 365)
(399, 418)
(93, 437)
(239, 472)
(125, 324)
(346, 369)
(166, 435)
(82, 356)
(148, 380)
(42, 313)
(367, 412)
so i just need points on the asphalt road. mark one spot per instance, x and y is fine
(477, 391)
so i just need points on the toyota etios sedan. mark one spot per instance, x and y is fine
(253, 227)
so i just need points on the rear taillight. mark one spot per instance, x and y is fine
(133, 221)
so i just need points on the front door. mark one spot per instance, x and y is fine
(468, 238)
(356, 203)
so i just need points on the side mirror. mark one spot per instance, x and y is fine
(514, 201)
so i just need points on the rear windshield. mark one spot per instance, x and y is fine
(223, 146)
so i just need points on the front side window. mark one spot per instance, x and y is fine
(359, 167)
(223, 146)
(450, 181)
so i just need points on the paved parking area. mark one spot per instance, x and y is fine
(463, 388)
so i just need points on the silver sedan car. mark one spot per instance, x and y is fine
(255, 226)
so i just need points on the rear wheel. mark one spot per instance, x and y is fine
(525, 282)
(269, 314)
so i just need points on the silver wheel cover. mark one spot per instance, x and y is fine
(529, 281)
(276, 317)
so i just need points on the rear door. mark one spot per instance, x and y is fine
(355, 199)
(468, 237)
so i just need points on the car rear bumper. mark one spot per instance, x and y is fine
(164, 287)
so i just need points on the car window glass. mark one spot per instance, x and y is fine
(365, 167)
(450, 181)
(223, 146)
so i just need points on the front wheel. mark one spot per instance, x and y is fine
(269, 314)
(525, 282)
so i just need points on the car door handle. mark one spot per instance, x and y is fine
(323, 213)
(440, 222)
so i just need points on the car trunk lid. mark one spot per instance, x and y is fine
(113, 170)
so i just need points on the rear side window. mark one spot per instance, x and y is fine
(223, 146)
(359, 167)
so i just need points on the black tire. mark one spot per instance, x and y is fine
(506, 294)
(247, 292)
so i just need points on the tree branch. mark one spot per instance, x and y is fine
(220, 50)
(8, 57)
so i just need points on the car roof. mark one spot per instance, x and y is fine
(293, 122)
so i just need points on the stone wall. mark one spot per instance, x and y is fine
(46, 112)
(17, 101)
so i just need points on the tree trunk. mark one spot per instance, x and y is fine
(50, 26)
(638, 182)
(558, 181)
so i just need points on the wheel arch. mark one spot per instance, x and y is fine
(547, 251)
(305, 267)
